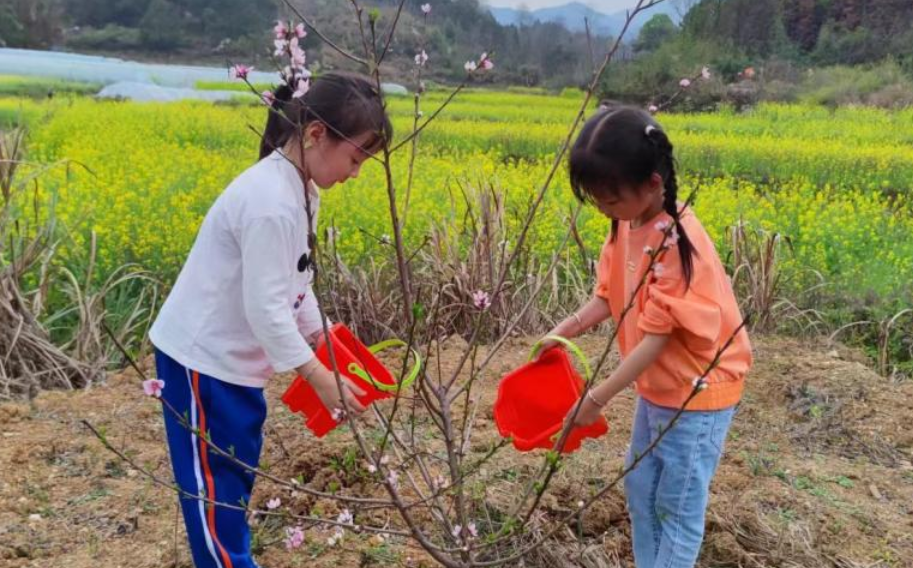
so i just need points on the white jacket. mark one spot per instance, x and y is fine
(242, 304)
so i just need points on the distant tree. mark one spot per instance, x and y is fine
(100, 13)
(161, 26)
(658, 29)
(754, 26)
(11, 31)
(220, 19)
(803, 20)
(31, 23)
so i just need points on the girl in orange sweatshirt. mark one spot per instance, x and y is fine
(623, 164)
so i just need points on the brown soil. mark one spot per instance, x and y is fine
(817, 473)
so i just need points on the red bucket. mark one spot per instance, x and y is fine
(534, 399)
(357, 362)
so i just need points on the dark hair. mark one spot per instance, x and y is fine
(623, 147)
(349, 104)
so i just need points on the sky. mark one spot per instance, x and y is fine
(605, 6)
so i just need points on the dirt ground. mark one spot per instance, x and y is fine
(817, 472)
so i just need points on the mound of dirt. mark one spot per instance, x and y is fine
(817, 473)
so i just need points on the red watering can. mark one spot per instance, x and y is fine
(356, 361)
(534, 400)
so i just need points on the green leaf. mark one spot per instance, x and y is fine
(553, 458)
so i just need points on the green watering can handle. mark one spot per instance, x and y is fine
(570, 345)
(356, 370)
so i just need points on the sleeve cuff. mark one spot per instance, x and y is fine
(291, 364)
(288, 351)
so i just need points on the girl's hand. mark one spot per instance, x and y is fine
(561, 330)
(595, 311)
(546, 344)
(324, 382)
(589, 412)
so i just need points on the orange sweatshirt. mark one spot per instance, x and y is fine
(699, 319)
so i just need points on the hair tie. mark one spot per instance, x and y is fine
(648, 130)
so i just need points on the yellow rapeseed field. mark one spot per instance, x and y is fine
(836, 183)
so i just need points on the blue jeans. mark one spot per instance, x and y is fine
(668, 490)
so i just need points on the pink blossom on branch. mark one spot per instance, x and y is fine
(393, 478)
(485, 64)
(684, 83)
(287, 76)
(240, 72)
(426, 9)
(705, 73)
(268, 98)
(300, 31)
(298, 56)
(421, 58)
(280, 29)
(301, 89)
(653, 109)
(153, 387)
(481, 300)
(294, 537)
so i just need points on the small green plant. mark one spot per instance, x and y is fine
(786, 515)
(759, 464)
(843, 481)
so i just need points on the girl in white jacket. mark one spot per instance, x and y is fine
(242, 307)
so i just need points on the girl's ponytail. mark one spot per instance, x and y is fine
(670, 198)
(278, 128)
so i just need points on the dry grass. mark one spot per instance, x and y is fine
(29, 362)
(788, 512)
(30, 273)
(459, 256)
